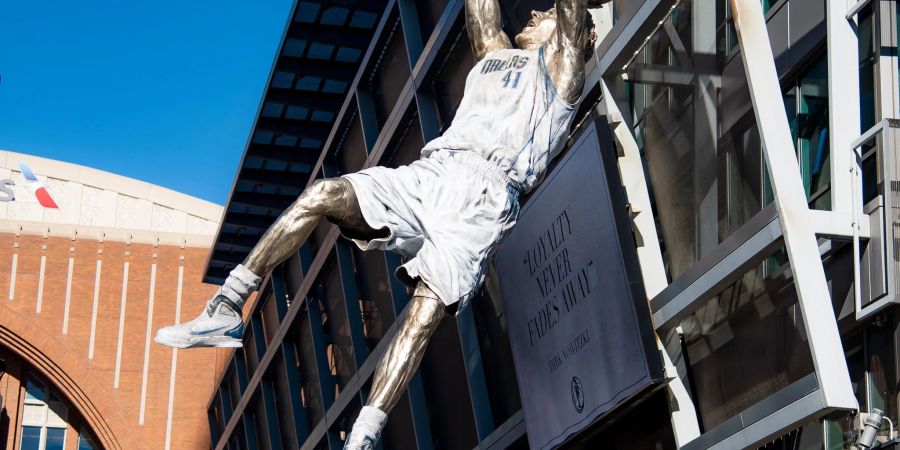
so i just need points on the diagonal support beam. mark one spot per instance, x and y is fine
(684, 415)
(790, 201)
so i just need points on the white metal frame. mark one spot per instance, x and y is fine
(796, 221)
(829, 388)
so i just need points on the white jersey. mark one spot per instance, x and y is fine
(510, 115)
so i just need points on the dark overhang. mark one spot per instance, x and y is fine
(320, 53)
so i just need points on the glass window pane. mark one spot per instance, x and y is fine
(282, 80)
(334, 87)
(335, 16)
(31, 438)
(297, 113)
(319, 50)
(363, 19)
(307, 12)
(812, 131)
(308, 84)
(56, 439)
(310, 143)
(271, 109)
(263, 137)
(294, 47)
(86, 441)
(743, 344)
(322, 116)
(286, 140)
(347, 54)
(35, 390)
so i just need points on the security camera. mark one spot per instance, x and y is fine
(871, 427)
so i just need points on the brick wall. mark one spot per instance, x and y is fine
(33, 323)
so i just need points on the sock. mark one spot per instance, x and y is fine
(241, 282)
(369, 423)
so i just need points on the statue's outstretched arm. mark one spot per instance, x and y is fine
(567, 65)
(483, 25)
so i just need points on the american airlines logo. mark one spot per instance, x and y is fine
(7, 194)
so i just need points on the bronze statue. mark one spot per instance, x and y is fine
(447, 211)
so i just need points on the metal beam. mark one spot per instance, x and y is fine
(311, 67)
(261, 223)
(277, 202)
(343, 36)
(790, 201)
(304, 128)
(276, 126)
(228, 257)
(628, 35)
(312, 100)
(291, 155)
(657, 74)
(280, 178)
(478, 392)
(843, 122)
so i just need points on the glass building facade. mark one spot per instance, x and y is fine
(358, 84)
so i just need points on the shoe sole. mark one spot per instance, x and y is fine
(203, 341)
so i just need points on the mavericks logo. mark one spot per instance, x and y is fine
(577, 395)
(7, 194)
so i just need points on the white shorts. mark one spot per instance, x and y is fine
(447, 212)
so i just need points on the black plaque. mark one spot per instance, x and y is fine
(579, 324)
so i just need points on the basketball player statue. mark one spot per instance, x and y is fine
(446, 212)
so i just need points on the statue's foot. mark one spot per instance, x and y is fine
(359, 443)
(366, 430)
(219, 325)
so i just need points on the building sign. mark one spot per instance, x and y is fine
(579, 323)
(7, 194)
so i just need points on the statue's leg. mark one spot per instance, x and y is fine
(397, 366)
(332, 198)
(220, 324)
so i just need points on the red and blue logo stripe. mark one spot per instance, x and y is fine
(40, 191)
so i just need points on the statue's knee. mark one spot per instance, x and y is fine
(324, 193)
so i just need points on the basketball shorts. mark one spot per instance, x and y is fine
(446, 212)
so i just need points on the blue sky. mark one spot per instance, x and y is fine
(162, 91)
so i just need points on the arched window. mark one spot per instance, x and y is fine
(44, 420)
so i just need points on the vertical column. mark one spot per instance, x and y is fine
(478, 392)
(40, 292)
(351, 302)
(416, 388)
(886, 49)
(271, 419)
(173, 374)
(412, 31)
(843, 90)
(121, 322)
(65, 327)
(95, 307)
(147, 340)
(366, 105)
(703, 46)
(12, 273)
(294, 382)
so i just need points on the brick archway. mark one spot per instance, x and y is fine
(51, 357)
